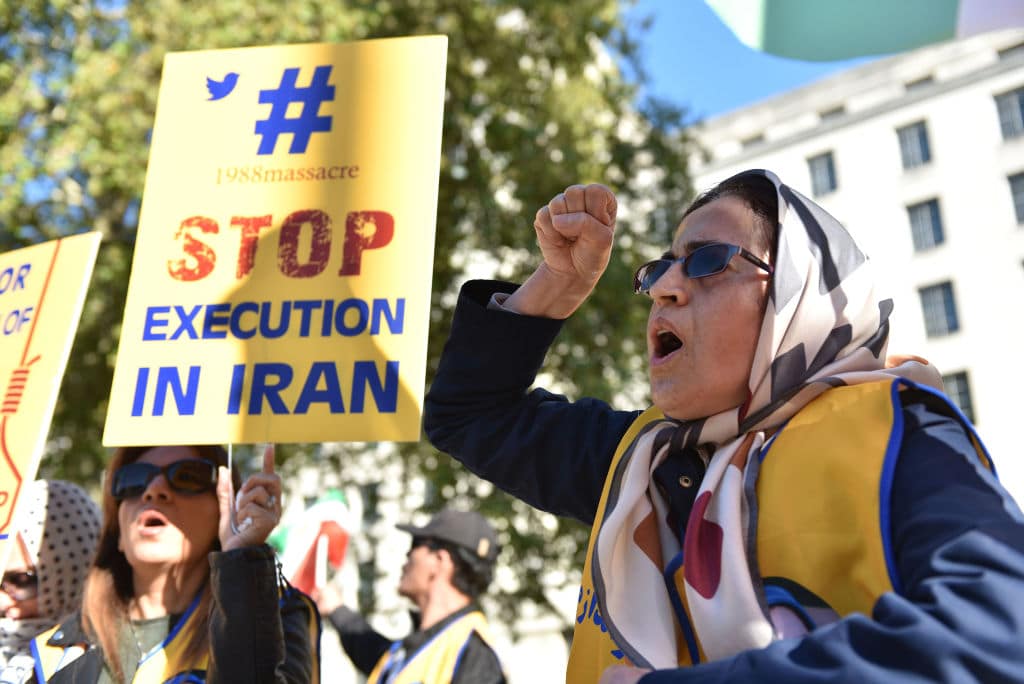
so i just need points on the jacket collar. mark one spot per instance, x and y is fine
(69, 632)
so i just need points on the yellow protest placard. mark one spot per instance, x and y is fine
(280, 286)
(42, 289)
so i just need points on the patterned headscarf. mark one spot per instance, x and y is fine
(60, 525)
(825, 325)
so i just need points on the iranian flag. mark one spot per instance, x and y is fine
(824, 30)
(316, 539)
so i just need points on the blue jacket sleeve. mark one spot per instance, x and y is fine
(959, 548)
(551, 453)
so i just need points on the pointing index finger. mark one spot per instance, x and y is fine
(268, 459)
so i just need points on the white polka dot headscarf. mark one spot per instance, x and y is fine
(60, 526)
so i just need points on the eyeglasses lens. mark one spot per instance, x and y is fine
(648, 274)
(191, 476)
(707, 260)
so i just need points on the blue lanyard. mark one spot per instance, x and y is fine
(394, 664)
(174, 630)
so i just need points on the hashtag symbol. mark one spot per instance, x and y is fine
(308, 121)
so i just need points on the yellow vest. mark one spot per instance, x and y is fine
(435, 660)
(164, 663)
(838, 453)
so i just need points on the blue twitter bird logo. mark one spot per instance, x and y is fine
(221, 89)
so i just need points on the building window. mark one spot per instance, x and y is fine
(959, 390)
(939, 310)
(919, 83)
(914, 145)
(1011, 51)
(752, 141)
(833, 113)
(823, 174)
(1017, 192)
(1011, 113)
(925, 225)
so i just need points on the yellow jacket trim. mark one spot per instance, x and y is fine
(434, 661)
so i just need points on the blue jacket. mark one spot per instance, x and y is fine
(958, 537)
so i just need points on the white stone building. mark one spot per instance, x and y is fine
(921, 156)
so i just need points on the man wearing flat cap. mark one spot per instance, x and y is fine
(449, 564)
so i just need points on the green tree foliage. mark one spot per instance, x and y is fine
(534, 103)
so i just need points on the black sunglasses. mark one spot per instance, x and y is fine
(190, 476)
(20, 585)
(700, 263)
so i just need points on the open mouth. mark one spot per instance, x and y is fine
(152, 519)
(666, 342)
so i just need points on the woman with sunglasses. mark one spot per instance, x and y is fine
(179, 593)
(57, 528)
(793, 508)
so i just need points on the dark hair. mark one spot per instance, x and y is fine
(472, 574)
(759, 194)
(109, 587)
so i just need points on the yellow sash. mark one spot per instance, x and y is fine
(435, 660)
(822, 527)
(592, 648)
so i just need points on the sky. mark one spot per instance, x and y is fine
(693, 59)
